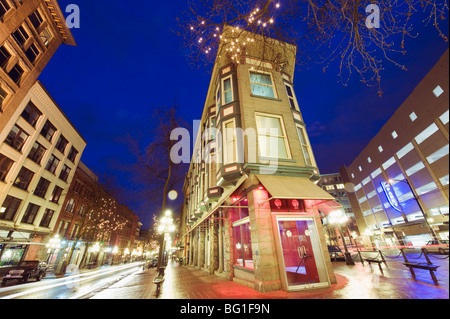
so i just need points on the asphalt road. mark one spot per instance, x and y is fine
(75, 286)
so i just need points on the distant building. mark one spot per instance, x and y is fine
(334, 185)
(407, 159)
(251, 210)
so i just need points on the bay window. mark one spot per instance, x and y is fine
(272, 138)
(229, 142)
(262, 84)
(306, 149)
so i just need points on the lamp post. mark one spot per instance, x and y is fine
(416, 197)
(166, 226)
(53, 244)
(338, 218)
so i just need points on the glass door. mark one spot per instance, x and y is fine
(302, 256)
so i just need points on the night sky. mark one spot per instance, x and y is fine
(128, 62)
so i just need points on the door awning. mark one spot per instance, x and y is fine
(289, 187)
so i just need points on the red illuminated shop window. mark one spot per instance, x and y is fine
(242, 244)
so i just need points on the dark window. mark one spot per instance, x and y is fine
(3, 96)
(9, 208)
(30, 214)
(32, 53)
(72, 154)
(5, 166)
(47, 218)
(4, 7)
(41, 188)
(24, 178)
(56, 195)
(36, 19)
(52, 164)
(31, 114)
(70, 206)
(4, 57)
(64, 173)
(20, 35)
(61, 144)
(37, 153)
(16, 138)
(16, 73)
(48, 131)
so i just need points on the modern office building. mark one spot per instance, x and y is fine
(334, 185)
(39, 152)
(398, 185)
(251, 211)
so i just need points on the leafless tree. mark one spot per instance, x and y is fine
(324, 31)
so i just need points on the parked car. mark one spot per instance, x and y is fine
(437, 246)
(335, 253)
(25, 270)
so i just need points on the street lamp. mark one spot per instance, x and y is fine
(338, 218)
(416, 197)
(53, 244)
(165, 227)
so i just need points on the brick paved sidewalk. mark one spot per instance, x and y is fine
(354, 282)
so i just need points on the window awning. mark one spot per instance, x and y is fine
(289, 187)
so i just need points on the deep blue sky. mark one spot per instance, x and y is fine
(128, 62)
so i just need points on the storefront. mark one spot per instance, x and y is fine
(267, 235)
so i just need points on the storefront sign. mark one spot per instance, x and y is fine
(389, 192)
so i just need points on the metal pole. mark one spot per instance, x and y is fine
(348, 257)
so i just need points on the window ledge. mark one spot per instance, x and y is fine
(287, 160)
(251, 271)
(265, 98)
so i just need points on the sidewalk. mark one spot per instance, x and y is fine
(353, 282)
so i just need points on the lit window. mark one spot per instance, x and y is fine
(227, 89)
(262, 84)
(369, 160)
(388, 163)
(413, 116)
(272, 139)
(376, 173)
(444, 180)
(367, 212)
(415, 168)
(426, 188)
(5, 165)
(409, 147)
(329, 187)
(394, 135)
(360, 168)
(340, 186)
(438, 91)
(444, 117)
(366, 181)
(380, 148)
(438, 154)
(353, 175)
(362, 199)
(426, 133)
(229, 154)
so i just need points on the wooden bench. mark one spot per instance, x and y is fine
(375, 260)
(421, 265)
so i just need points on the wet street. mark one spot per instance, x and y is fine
(132, 281)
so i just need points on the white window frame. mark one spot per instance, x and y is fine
(283, 128)
(224, 143)
(271, 79)
(294, 98)
(222, 90)
(308, 146)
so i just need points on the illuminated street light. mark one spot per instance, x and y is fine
(339, 218)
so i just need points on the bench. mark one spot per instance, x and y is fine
(158, 282)
(426, 266)
(375, 260)
(421, 265)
